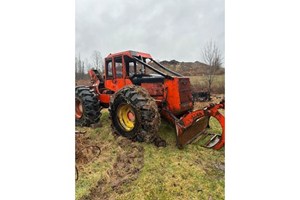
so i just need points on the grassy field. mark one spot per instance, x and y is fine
(218, 85)
(132, 170)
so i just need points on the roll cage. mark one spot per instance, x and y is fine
(135, 65)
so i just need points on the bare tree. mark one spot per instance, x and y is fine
(78, 67)
(97, 60)
(212, 56)
(88, 64)
(82, 70)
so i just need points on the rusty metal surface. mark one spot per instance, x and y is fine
(194, 124)
(192, 132)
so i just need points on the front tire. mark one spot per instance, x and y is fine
(135, 115)
(87, 107)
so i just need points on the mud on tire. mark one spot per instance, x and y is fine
(144, 109)
(87, 107)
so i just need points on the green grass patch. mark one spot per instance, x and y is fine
(194, 172)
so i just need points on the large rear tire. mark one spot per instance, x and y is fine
(135, 115)
(87, 107)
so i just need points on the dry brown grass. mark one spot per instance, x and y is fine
(199, 83)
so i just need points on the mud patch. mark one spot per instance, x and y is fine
(215, 98)
(85, 152)
(126, 168)
(85, 149)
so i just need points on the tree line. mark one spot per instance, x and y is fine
(82, 66)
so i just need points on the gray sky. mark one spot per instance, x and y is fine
(167, 29)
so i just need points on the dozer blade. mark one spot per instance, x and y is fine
(194, 126)
(189, 134)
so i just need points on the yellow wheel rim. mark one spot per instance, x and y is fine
(126, 117)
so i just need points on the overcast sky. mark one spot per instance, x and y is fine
(167, 29)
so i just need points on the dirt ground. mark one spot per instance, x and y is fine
(215, 98)
(129, 161)
(83, 82)
(85, 150)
